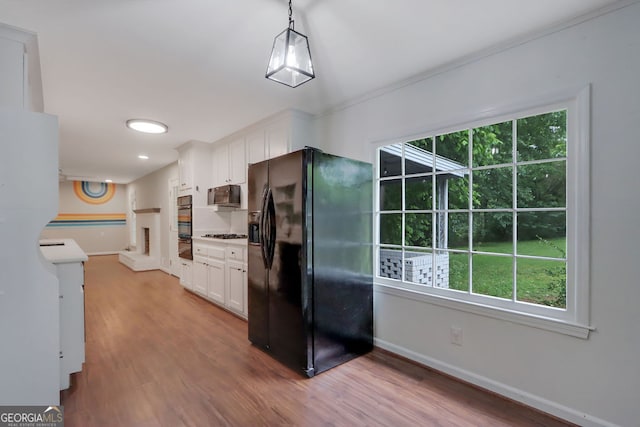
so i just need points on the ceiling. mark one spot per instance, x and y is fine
(199, 66)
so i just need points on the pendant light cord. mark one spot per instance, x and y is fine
(291, 24)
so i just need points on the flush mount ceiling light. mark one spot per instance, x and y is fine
(147, 126)
(143, 157)
(290, 62)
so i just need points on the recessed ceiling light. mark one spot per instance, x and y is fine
(143, 157)
(147, 126)
(108, 180)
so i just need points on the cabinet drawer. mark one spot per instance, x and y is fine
(235, 253)
(199, 250)
(200, 259)
(216, 252)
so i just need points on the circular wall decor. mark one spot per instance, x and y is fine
(94, 193)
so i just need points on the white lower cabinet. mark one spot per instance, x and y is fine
(71, 277)
(186, 274)
(200, 276)
(220, 275)
(236, 280)
(216, 281)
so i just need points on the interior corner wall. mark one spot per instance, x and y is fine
(152, 191)
(98, 227)
(589, 382)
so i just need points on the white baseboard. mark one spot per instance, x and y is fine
(103, 253)
(513, 393)
(166, 270)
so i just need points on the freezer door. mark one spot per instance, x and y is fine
(342, 256)
(258, 275)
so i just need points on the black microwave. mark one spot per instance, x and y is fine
(225, 195)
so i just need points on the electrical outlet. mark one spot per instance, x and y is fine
(456, 335)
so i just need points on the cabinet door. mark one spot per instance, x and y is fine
(256, 148)
(277, 139)
(185, 169)
(200, 277)
(221, 165)
(186, 275)
(237, 162)
(236, 280)
(216, 281)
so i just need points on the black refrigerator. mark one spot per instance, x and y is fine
(310, 263)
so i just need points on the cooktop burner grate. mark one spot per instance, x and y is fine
(226, 236)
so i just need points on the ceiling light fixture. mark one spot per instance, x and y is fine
(147, 126)
(108, 180)
(290, 61)
(143, 157)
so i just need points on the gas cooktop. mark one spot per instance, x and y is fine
(226, 236)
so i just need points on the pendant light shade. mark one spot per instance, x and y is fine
(290, 61)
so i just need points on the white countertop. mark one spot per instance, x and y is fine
(236, 242)
(62, 251)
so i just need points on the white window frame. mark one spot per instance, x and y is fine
(574, 319)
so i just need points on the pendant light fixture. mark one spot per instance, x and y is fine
(290, 61)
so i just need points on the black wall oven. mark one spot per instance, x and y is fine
(185, 249)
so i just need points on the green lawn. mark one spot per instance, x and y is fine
(538, 281)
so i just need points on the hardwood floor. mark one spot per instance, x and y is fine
(157, 355)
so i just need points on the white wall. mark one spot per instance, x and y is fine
(94, 240)
(593, 381)
(152, 191)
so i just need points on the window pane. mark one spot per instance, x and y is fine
(418, 230)
(492, 275)
(452, 192)
(391, 229)
(543, 136)
(418, 156)
(391, 195)
(452, 230)
(493, 144)
(542, 234)
(390, 263)
(418, 267)
(419, 193)
(493, 188)
(542, 185)
(454, 149)
(493, 232)
(390, 160)
(542, 282)
(459, 271)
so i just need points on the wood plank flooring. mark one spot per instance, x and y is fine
(157, 355)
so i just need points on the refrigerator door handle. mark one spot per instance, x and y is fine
(271, 228)
(263, 226)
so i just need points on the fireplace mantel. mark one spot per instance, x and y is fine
(148, 210)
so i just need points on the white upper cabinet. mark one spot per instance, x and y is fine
(185, 169)
(237, 162)
(220, 165)
(257, 150)
(194, 170)
(277, 139)
(229, 163)
(277, 135)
